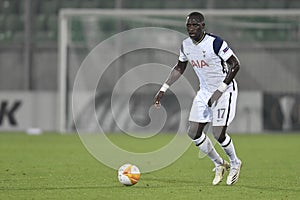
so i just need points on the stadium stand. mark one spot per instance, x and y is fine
(9, 6)
(14, 27)
(46, 12)
(40, 27)
(70, 4)
(77, 30)
(52, 27)
(45, 31)
(90, 4)
(294, 4)
(47, 7)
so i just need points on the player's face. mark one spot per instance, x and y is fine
(194, 27)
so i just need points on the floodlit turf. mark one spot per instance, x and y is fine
(53, 166)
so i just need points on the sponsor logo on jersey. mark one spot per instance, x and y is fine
(199, 63)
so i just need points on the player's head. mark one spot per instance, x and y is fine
(195, 25)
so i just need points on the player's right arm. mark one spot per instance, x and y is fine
(176, 72)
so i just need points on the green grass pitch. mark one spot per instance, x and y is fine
(54, 166)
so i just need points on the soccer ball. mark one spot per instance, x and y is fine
(129, 174)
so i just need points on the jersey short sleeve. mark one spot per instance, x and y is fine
(225, 52)
(182, 56)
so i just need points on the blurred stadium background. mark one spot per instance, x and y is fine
(266, 38)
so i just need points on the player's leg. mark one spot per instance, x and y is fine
(227, 144)
(223, 115)
(200, 115)
(196, 133)
(200, 139)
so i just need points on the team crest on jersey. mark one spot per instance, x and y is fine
(199, 63)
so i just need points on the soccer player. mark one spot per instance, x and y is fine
(216, 65)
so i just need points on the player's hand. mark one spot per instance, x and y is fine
(157, 98)
(214, 98)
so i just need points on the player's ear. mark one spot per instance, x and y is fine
(203, 24)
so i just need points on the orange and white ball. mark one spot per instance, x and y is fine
(129, 174)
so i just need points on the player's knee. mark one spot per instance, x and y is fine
(194, 131)
(219, 133)
(221, 138)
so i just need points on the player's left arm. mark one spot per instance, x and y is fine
(233, 68)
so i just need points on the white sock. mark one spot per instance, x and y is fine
(206, 147)
(228, 147)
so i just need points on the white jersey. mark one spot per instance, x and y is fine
(208, 60)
